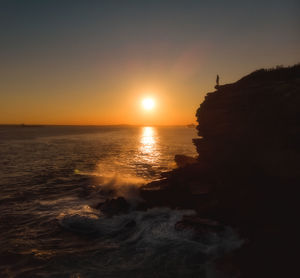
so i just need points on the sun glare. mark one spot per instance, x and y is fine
(148, 103)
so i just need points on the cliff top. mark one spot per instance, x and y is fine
(277, 74)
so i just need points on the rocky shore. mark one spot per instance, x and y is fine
(246, 175)
(247, 172)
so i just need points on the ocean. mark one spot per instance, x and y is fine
(51, 179)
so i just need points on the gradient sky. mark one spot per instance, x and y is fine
(92, 62)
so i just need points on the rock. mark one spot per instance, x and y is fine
(130, 224)
(183, 160)
(254, 121)
(250, 134)
(113, 207)
(142, 206)
(247, 171)
(156, 184)
(200, 226)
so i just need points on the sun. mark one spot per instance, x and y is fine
(148, 103)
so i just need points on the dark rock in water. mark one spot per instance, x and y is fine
(114, 206)
(183, 160)
(130, 224)
(156, 184)
(199, 225)
(80, 225)
(142, 206)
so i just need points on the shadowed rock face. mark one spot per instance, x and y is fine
(247, 173)
(250, 144)
(249, 152)
(250, 134)
(254, 122)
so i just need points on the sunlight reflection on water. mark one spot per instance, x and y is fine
(148, 144)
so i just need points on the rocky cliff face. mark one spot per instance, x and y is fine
(247, 174)
(254, 122)
(250, 145)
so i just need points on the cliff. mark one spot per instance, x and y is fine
(247, 173)
(253, 121)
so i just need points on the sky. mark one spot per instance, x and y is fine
(93, 62)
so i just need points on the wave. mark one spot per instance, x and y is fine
(142, 243)
(148, 239)
(111, 184)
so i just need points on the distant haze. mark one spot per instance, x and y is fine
(92, 62)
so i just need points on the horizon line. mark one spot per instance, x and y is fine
(134, 125)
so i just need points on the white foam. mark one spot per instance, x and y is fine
(153, 228)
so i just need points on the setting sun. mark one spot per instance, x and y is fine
(148, 103)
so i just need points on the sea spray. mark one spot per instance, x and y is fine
(110, 184)
(148, 240)
(50, 184)
(122, 186)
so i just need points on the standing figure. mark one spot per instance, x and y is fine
(217, 80)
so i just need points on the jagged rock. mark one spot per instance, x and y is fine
(130, 224)
(156, 184)
(183, 160)
(200, 226)
(114, 206)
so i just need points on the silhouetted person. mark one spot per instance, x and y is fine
(217, 80)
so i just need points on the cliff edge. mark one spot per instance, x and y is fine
(255, 121)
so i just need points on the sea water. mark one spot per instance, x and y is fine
(51, 179)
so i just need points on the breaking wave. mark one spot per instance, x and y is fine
(148, 240)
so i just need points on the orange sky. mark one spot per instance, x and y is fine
(93, 62)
